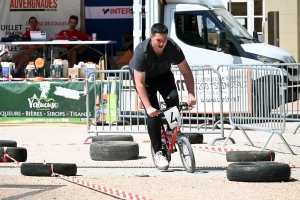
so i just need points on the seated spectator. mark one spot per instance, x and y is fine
(73, 34)
(26, 52)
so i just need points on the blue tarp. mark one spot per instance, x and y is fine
(108, 29)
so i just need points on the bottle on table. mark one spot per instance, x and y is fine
(103, 102)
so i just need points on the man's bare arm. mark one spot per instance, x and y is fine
(188, 76)
(139, 78)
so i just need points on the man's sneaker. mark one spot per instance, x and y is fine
(160, 161)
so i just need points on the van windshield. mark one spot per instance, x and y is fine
(234, 27)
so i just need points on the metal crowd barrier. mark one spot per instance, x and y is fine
(124, 121)
(206, 117)
(257, 100)
(131, 116)
(248, 96)
(291, 73)
(292, 106)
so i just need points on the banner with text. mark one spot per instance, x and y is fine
(45, 101)
(52, 16)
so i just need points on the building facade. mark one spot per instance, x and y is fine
(258, 15)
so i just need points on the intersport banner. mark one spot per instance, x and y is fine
(52, 15)
(113, 19)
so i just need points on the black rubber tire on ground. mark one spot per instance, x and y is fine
(114, 150)
(112, 138)
(8, 143)
(250, 156)
(41, 169)
(166, 153)
(264, 171)
(189, 163)
(194, 138)
(17, 153)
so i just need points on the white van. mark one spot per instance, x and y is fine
(195, 25)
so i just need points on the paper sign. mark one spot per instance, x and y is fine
(173, 117)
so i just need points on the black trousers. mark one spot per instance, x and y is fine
(166, 86)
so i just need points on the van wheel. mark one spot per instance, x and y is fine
(17, 153)
(41, 169)
(114, 150)
(291, 94)
(250, 156)
(112, 138)
(263, 96)
(258, 172)
(8, 143)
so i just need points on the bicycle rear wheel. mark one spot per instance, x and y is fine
(186, 154)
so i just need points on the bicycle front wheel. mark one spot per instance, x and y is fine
(186, 154)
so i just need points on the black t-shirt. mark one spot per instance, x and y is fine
(146, 60)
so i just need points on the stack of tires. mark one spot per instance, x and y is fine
(10, 148)
(19, 154)
(113, 148)
(256, 166)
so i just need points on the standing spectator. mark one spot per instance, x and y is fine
(26, 52)
(73, 34)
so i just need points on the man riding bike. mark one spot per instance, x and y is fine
(150, 68)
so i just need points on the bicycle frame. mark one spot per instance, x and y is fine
(173, 119)
(170, 139)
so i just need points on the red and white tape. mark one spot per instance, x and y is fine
(292, 86)
(217, 149)
(74, 144)
(138, 141)
(15, 161)
(111, 191)
(293, 165)
(70, 144)
(224, 150)
(4, 154)
(118, 193)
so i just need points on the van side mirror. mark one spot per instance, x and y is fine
(222, 41)
(255, 35)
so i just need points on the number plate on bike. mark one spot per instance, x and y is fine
(173, 117)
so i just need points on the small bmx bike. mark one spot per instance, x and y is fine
(177, 139)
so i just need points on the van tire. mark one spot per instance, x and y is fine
(194, 138)
(258, 172)
(250, 156)
(17, 153)
(263, 102)
(41, 169)
(8, 143)
(114, 150)
(112, 138)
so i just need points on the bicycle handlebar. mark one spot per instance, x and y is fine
(182, 106)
